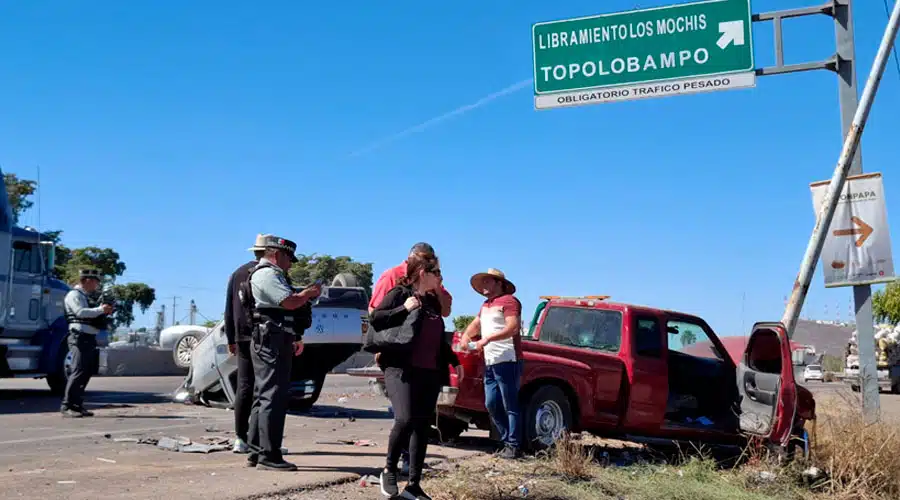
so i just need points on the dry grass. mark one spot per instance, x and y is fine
(861, 461)
(857, 461)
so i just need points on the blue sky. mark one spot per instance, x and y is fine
(175, 133)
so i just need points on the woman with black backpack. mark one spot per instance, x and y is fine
(415, 356)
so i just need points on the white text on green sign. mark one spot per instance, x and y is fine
(680, 41)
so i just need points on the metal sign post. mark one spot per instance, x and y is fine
(847, 162)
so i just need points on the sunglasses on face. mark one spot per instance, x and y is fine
(436, 272)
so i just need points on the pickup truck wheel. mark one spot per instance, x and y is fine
(450, 428)
(548, 414)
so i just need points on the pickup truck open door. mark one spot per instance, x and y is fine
(766, 384)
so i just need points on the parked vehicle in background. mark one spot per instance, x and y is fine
(181, 340)
(887, 359)
(640, 372)
(340, 320)
(813, 372)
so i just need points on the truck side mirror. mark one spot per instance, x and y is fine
(49, 249)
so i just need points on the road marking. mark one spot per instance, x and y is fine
(102, 433)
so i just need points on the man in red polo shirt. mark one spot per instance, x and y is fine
(388, 280)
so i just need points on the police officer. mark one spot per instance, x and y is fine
(86, 318)
(237, 330)
(274, 341)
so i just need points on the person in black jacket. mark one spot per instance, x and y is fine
(415, 372)
(237, 331)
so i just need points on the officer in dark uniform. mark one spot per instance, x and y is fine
(272, 301)
(86, 318)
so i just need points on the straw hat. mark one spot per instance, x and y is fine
(476, 281)
(260, 243)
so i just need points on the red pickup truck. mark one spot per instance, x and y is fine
(640, 372)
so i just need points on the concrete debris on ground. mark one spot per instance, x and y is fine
(182, 444)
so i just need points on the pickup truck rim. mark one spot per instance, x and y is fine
(185, 346)
(549, 422)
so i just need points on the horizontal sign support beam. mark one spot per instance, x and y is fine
(776, 17)
(826, 8)
(829, 64)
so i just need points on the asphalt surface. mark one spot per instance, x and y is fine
(46, 456)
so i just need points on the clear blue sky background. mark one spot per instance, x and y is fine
(174, 133)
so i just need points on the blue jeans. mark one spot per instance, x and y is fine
(501, 397)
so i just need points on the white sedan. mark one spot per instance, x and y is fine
(813, 372)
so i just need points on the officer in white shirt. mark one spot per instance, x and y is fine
(86, 318)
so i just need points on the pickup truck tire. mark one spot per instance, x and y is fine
(450, 428)
(345, 280)
(548, 414)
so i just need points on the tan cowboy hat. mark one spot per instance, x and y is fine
(260, 243)
(508, 286)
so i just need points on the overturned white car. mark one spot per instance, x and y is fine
(340, 321)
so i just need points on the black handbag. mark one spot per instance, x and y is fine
(395, 339)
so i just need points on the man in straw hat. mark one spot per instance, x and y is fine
(274, 340)
(497, 330)
(86, 319)
(237, 330)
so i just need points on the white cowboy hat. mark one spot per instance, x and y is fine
(497, 274)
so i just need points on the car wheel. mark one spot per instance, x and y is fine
(547, 417)
(304, 405)
(183, 349)
(345, 280)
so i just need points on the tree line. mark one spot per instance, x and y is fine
(69, 261)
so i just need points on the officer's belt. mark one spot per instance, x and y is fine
(282, 317)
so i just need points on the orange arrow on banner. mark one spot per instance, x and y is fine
(863, 230)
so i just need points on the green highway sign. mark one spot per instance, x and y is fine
(676, 49)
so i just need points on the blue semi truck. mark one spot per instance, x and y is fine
(33, 328)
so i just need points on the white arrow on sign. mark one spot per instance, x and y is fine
(732, 31)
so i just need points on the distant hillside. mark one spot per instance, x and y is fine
(827, 338)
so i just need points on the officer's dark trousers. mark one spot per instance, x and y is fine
(243, 404)
(85, 359)
(272, 357)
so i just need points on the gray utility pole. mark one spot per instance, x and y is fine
(854, 113)
(174, 303)
(193, 313)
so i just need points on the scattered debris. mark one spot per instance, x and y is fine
(185, 445)
(107, 436)
(342, 400)
(368, 480)
(66, 482)
(126, 440)
(106, 460)
(350, 442)
(523, 490)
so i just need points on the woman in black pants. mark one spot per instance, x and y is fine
(414, 374)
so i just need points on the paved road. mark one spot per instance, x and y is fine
(838, 394)
(46, 456)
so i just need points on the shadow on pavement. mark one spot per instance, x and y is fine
(326, 411)
(24, 401)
